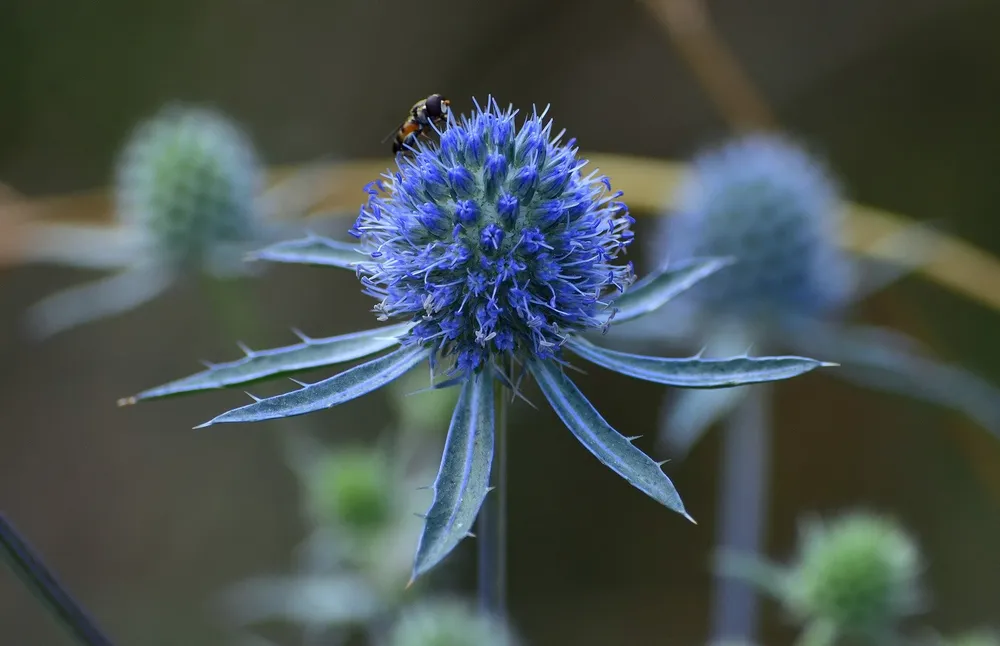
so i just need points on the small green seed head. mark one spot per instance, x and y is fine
(354, 490)
(189, 179)
(448, 623)
(860, 573)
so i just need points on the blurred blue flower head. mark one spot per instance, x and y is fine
(495, 241)
(773, 206)
(766, 201)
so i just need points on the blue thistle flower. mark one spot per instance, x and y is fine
(495, 243)
(768, 201)
(496, 252)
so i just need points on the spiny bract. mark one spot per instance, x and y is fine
(189, 178)
(494, 241)
(771, 204)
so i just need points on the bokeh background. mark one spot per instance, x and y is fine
(145, 519)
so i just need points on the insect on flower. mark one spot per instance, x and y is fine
(424, 113)
(494, 252)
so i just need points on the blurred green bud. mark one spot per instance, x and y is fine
(858, 574)
(428, 410)
(355, 490)
(448, 623)
(190, 179)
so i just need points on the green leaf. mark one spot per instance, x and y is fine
(338, 389)
(314, 250)
(695, 372)
(464, 476)
(263, 364)
(653, 291)
(610, 447)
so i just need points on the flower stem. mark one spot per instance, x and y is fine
(36, 576)
(742, 512)
(492, 531)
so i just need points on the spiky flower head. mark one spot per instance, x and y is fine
(354, 490)
(497, 252)
(189, 178)
(445, 622)
(493, 241)
(859, 574)
(772, 205)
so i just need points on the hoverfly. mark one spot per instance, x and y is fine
(433, 109)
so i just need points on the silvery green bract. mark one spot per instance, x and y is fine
(768, 201)
(494, 251)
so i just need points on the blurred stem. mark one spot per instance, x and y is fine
(29, 566)
(714, 66)
(742, 512)
(492, 530)
(232, 305)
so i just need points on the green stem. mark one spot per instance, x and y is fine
(232, 305)
(492, 531)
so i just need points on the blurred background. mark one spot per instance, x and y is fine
(147, 521)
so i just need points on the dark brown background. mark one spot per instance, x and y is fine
(144, 519)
